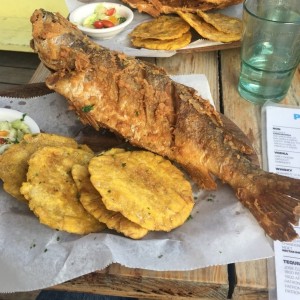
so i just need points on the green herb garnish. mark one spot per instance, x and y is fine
(121, 20)
(190, 217)
(87, 108)
(23, 117)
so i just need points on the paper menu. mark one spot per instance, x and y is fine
(282, 156)
(283, 140)
(287, 265)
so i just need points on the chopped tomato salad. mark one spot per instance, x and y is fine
(103, 17)
(12, 132)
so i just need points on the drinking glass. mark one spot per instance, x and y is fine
(270, 50)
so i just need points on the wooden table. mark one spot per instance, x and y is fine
(246, 280)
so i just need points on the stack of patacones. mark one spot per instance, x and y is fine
(70, 188)
(173, 22)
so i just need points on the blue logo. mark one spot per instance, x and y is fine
(296, 116)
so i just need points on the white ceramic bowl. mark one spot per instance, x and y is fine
(79, 14)
(7, 114)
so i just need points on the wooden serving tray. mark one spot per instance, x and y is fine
(118, 280)
(223, 46)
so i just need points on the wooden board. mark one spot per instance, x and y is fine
(223, 46)
(204, 283)
(210, 283)
(16, 68)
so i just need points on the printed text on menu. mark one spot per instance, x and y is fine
(283, 152)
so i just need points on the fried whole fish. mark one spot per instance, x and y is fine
(140, 102)
(158, 7)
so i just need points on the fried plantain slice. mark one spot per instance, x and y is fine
(92, 202)
(207, 30)
(156, 44)
(52, 193)
(222, 22)
(144, 187)
(14, 160)
(161, 28)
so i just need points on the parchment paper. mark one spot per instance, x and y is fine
(122, 43)
(33, 256)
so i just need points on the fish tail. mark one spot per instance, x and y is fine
(274, 201)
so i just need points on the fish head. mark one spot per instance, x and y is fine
(58, 42)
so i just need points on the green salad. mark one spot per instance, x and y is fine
(12, 132)
(103, 17)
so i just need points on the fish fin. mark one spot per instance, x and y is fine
(201, 177)
(276, 207)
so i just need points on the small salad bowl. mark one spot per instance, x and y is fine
(110, 18)
(10, 115)
(13, 126)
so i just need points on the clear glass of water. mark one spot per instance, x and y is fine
(270, 50)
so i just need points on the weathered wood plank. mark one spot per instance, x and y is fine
(16, 68)
(252, 277)
(12, 75)
(5, 86)
(20, 296)
(19, 59)
(122, 281)
(242, 112)
(247, 117)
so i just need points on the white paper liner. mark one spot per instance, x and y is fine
(33, 256)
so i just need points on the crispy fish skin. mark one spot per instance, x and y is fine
(141, 103)
(157, 7)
